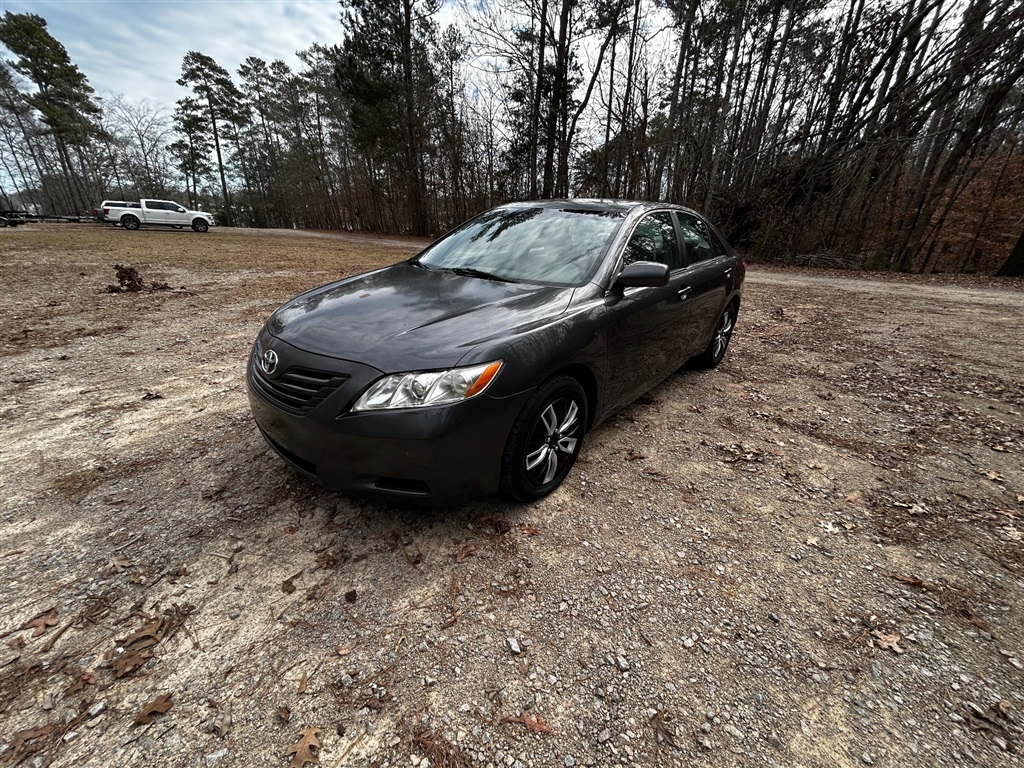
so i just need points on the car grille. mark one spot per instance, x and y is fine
(298, 390)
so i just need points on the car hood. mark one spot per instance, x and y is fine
(407, 317)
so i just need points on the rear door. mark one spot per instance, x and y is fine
(707, 274)
(153, 212)
(644, 327)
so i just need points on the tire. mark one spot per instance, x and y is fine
(130, 223)
(715, 351)
(199, 225)
(545, 440)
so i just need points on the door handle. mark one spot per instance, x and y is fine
(684, 292)
(728, 272)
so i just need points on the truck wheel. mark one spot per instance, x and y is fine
(200, 225)
(130, 222)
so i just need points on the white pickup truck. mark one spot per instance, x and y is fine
(158, 213)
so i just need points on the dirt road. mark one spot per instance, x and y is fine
(810, 556)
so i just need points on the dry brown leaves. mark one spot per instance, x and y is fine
(79, 683)
(664, 733)
(306, 749)
(158, 706)
(28, 741)
(889, 640)
(115, 565)
(136, 649)
(533, 724)
(221, 723)
(42, 622)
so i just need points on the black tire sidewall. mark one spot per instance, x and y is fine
(707, 358)
(514, 481)
(130, 223)
(198, 225)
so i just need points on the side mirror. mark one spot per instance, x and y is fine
(643, 274)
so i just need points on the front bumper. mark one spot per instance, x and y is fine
(439, 454)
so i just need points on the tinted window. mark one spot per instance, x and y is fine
(654, 239)
(697, 238)
(152, 205)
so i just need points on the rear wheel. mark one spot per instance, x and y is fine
(200, 225)
(545, 439)
(130, 222)
(715, 351)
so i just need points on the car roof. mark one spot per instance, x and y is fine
(600, 204)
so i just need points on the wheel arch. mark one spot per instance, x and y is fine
(587, 379)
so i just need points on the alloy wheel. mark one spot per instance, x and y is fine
(553, 441)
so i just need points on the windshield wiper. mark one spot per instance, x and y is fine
(471, 272)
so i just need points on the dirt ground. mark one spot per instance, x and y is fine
(809, 557)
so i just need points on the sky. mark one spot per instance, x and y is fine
(135, 47)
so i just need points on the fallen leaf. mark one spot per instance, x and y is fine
(157, 706)
(20, 741)
(288, 586)
(284, 714)
(995, 477)
(351, 596)
(305, 749)
(222, 722)
(42, 622)
(812, 541)
(115, 565)
(890, 640)
(152, 396)
(79, 684)
(529, 529)
(303, 683)
(1020, 498)
(16, 644)
(634, 455)
(852, 498)
(291, 529)
(465, 552)
(534, 724)
(663, 732)
(129, 661)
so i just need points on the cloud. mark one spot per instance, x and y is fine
(135, 48)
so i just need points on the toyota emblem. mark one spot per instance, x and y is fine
(269, 362)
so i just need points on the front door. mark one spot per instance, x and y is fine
(647, 323)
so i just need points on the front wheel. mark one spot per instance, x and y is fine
(715, 350)
(545, 440)
(130, 223)
(199, 225)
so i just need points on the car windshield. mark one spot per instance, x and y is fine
(553, 246)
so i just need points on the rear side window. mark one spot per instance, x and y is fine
(697, 238)
(153, 205)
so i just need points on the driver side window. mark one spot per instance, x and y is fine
(654, 239)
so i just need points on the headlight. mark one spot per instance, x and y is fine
(412, 390)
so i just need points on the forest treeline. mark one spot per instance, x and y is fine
(875, 133)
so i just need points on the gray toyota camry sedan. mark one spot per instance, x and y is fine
(480, 364)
